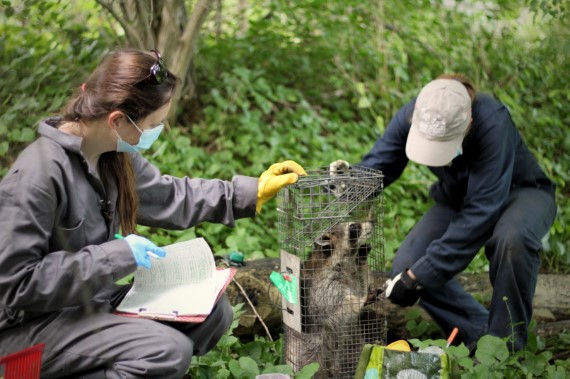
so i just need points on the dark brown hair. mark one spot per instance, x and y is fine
(463, 80)
(118, 84)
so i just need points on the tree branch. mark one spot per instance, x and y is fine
(145, 19)
(130, 31)
(192, 28)
(183, 57)
(172, 17)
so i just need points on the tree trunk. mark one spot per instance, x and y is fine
(243, 20)
(218, 19)
(166, 26)
(551, 301)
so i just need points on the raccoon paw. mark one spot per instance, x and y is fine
(373, 296)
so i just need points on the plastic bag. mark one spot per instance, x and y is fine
(379, 362)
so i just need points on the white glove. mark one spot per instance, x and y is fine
(403, 290)
(388, 286)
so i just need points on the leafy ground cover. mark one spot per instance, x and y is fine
(548, 359)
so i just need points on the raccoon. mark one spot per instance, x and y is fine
(335, 290)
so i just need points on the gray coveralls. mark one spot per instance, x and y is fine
(59, 262)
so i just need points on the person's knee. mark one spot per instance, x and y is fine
(177, 349)
(220, 320)
(224, 314)
(513, 246)
(227, 313)
(161, 352)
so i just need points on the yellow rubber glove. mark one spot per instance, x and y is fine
(276, 177)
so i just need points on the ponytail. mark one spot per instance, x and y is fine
(118, 168)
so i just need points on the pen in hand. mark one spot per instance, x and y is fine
(142, 250)
(149, 253)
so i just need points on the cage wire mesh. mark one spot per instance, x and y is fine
(331, 236)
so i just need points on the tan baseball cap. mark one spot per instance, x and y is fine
(440, 120)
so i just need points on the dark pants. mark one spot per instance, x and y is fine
(512, 247)
(98, 344)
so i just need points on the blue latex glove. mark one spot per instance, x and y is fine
(141, 247)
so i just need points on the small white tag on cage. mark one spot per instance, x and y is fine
(291, 266)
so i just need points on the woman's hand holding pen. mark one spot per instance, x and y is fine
(143, 249)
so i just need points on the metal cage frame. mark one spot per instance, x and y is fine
(331, 237)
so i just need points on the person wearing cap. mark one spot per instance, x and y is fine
(490, 192)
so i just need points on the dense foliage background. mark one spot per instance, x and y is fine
(309, 80)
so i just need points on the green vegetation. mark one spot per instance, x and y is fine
(493, 359)
(312, 81)
(232, 358)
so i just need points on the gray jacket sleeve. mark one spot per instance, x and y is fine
(179, 203)
(33, 276)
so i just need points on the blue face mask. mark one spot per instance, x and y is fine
(459, 152)
(146, 139)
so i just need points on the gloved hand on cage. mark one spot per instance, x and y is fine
(403, 290)
(277, 176)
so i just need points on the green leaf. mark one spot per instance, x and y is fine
(235, 368)
(491, 350)
(536, 364)
(254, 350)
(363, 102)
(460, 351)
(413, 314)
(308, 371)
(248, 367)
(223, 373)
(556, 372)
(380, 124)
(28, 135)
(465, 362)
(4, 146)
(227, 340)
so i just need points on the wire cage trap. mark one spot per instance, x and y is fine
(331, 238)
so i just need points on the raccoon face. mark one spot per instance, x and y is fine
(359, 233)
(345, 238)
